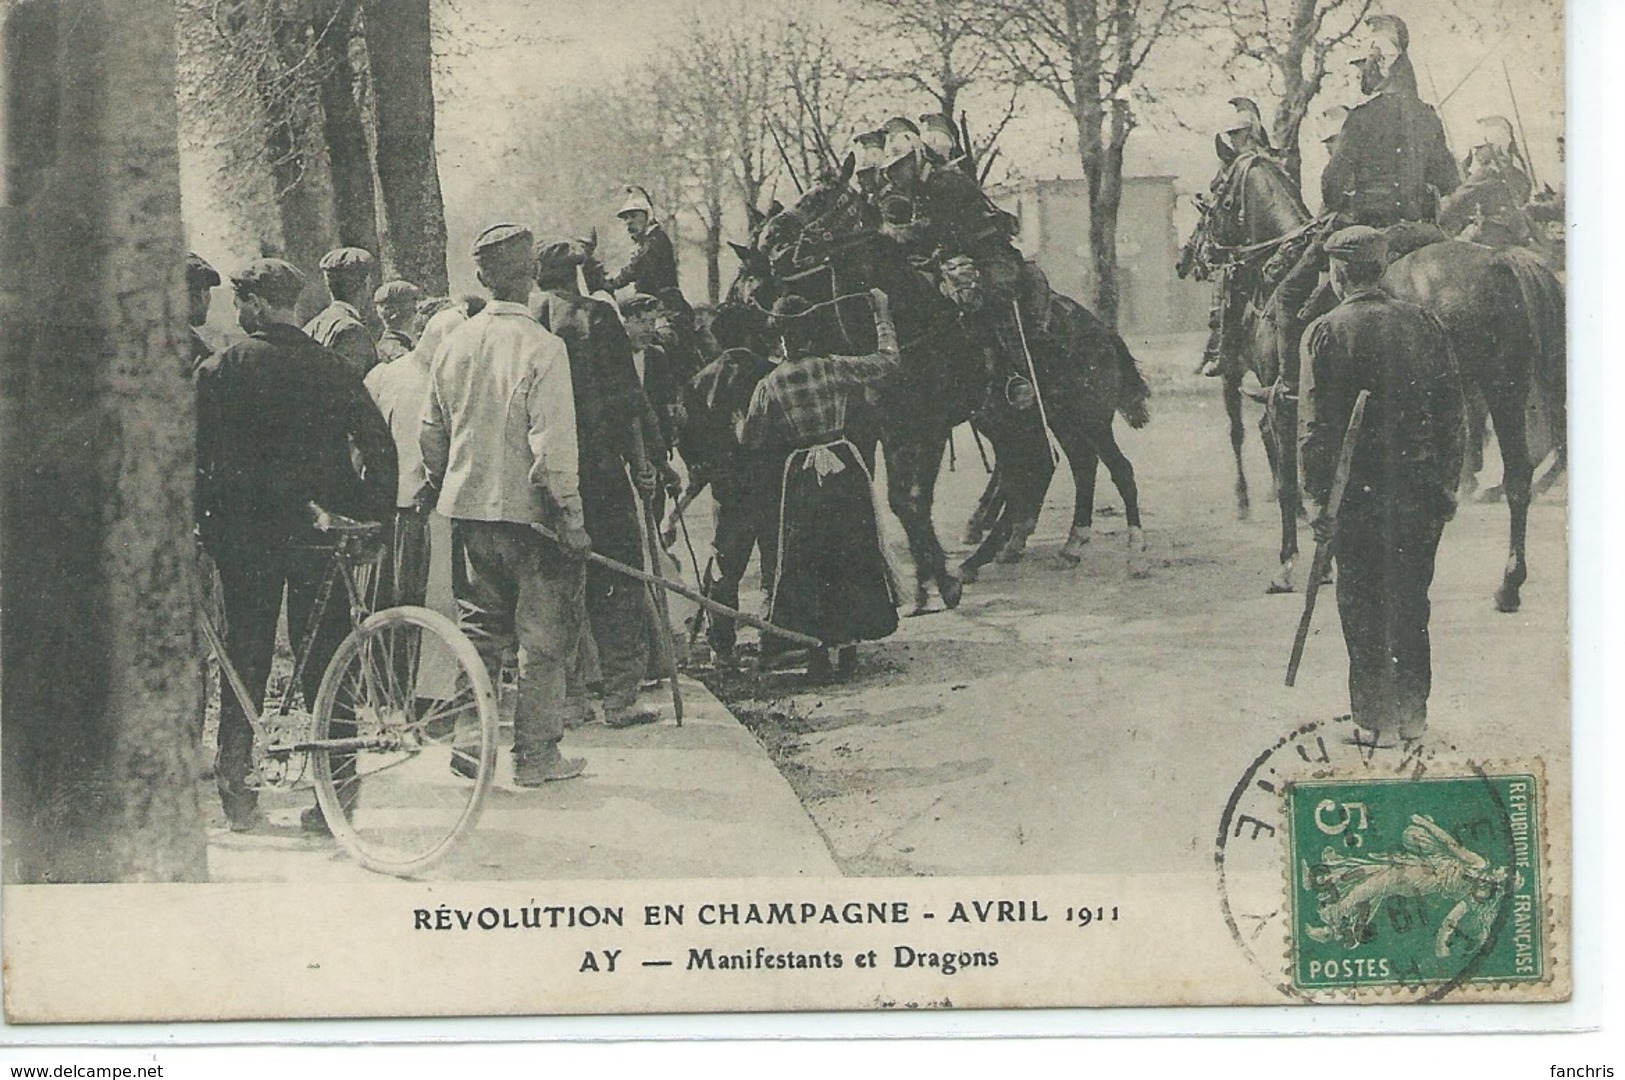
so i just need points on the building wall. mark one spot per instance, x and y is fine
(1054, 218)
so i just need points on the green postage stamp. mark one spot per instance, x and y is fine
(1430, 882)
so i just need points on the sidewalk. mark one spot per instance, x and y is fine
(659, 801)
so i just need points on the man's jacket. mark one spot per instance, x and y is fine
(277, 417)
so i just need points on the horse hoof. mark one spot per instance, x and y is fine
(1507, 601)
(951, 591)
(1076, 540)
(1066, 560)
(922, 599)
(1277, 588)
(968, 573)
(973, 537)
(1490, 495)
(1009, 556)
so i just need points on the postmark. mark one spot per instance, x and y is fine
(1357, 874)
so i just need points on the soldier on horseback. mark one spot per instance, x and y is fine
(1238, 147)
(1389, 168)
(1489, 206)
(933, 206)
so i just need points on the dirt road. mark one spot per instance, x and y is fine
(1081, 720)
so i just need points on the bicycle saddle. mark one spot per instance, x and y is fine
(338, 525)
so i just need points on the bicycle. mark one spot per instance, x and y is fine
(405, 717)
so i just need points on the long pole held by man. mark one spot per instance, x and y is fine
(1328, 535)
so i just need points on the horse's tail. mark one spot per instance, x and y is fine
(1132, 394)
(1545, 308)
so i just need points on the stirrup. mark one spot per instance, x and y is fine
(1018, 391)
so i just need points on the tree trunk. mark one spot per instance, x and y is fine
(100, 677)
(713, 250)
(398, 51)
(289, 143)
(344, 129)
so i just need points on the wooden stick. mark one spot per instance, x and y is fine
(1323, 548)
(651, 534)
(684, 591)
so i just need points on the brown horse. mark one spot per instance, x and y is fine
(1503, 312)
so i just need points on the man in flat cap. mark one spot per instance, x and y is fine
(1401, 487)
(609, 408)
(500, 450)
(277, 418)
(397, 304)
(201, 278)
(341, 325)
(653, 265)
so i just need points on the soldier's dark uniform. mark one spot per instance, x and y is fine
(1401, 486)
(1390, 164)
(653, 265)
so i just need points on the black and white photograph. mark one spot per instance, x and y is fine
(525, 508)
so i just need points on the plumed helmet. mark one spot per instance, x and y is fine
(637, 200)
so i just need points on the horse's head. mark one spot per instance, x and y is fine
(1258, 202)
(828, 217)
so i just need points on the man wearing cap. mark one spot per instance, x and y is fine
(200, 279)
(868, 157)
(1401, 487)
(499, 448)
(608, 407)
(397, 304)
(400, 389)
(832, 580)
(277, 418)
(653, 265)
(340, 325)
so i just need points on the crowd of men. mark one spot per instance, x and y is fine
(539, 420)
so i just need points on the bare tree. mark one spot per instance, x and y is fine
(943, 48)
(810, 97)
(335, 33)
(1088, 53)
(1292, 42)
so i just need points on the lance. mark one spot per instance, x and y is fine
(1528, 159)
(773, 130)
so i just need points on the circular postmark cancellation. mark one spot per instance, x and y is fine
(1349, 872)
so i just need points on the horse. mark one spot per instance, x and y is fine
(939, 383)
(1503, 313)
(1258, 211)
(1085, 370)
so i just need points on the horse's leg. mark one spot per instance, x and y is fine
(987, 509)
(1025, 484)
(1238, 430)
(911, 480)
(1279, 427)
(1472, 460)
(1084, 461)
(1122, 474)
(997, 535)
(1506, 404)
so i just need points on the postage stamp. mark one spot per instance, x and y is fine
(1349, 872)
(1416, 882)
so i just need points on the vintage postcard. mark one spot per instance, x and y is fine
(520, 508)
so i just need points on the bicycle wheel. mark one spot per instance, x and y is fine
(404, 744)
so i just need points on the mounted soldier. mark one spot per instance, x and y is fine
(1238, 147)
(936, 210)
(653, 265)
(1489, 206)
(1390, 166)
